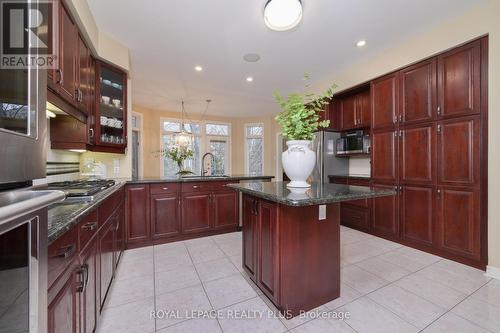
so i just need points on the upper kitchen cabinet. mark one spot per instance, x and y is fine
(84, 77)
(459, 81)
(384, 96)
(418, 92)
(111, 108)
(355, 110)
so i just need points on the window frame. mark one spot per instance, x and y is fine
(247, 165)
(204, 138)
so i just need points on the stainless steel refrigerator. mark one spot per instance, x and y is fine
(327, 163)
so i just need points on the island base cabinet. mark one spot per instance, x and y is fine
(292, 255)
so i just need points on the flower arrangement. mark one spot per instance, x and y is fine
(300, 117)
(179, 153)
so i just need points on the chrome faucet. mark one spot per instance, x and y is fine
(203, 171)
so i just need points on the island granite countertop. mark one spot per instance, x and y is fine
(317, 194)
(63, 216)
(194, 178)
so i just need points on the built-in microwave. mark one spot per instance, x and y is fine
(355, 142)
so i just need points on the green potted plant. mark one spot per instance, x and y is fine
(179, 153)
(300, 118)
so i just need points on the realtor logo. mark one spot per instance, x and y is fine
(27, 34)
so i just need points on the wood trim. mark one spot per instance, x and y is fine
(484, 149)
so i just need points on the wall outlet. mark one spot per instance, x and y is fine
(322, 212)
(116, 166)
(116, 170)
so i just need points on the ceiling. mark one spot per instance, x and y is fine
(167, 39)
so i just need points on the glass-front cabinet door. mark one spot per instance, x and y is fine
(111, 110)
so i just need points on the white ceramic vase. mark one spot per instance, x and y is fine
(298, 162)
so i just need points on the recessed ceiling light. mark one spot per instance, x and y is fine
(249, 79)
(251, 57)
(198, 68)
(281, 15)
(361, 43)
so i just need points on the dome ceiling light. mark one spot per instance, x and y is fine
(282, 15)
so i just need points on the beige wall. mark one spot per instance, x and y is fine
(151, 139)
(483, 20)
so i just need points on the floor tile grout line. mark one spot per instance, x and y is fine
(203, 287)
(460, 315)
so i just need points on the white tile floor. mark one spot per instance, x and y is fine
(386, 287)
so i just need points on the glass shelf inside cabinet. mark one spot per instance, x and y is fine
(111, 107)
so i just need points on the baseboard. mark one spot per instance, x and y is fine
(493, 272)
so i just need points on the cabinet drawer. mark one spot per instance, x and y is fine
(87, 228)
(353, 216)
(61, 254)
(197, 187)
(165, 188)
(359, 203)
(109, 205)
(221, 186)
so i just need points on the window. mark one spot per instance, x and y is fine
(254, 149)
(207, 137)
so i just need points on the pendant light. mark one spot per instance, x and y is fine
(282, 15)
(183, 138)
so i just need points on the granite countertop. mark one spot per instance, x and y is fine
(63, 216)
(318, 194)
(352, 175)
(194, 178)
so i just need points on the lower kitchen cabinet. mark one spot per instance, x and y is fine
(165, 215)
(137, 208)
(63, 316)
(417, 213)
(354, 216)
(458, 216)
(385, 214)
(88, 296)
(225, 209)
(119, 233)
(106, 261)
(250, 225)
(267, 248)
(196, 212)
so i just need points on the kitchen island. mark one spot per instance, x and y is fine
(291, 240)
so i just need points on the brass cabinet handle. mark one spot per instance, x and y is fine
(89, 226)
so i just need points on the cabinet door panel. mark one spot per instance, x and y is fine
(384, 101)
(119, 234)
(83, 72)
(89, 301)
(348, 112)
(249, 237)
(459, 222)
(137, 223)
(62, 311)
(418, 92)
(459, 75)
(385, 210)
(106, 260)
(417, 214)
(225, 209)
(268, 249)
(165, 216)
(384, 156)
(363, 109)
(196, 214)
(354, 216)
(68, 37)
(418, 154)
(458, 152)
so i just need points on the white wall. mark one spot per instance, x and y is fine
(482, 20)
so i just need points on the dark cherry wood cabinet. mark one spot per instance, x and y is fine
(355, 111)
(417, 213)
(384, 102)
(384, 153)
(385, 213)
(88, 297)
(459, 81)
(225, 209)
(459, 221)
(459, 151)
(417, 154)
(354, 216)
(63, 309)
(106, 260)
(418, 93)
(363, 109)
(250, 228)
(348, 112)
(83, 81)
(196, 212)
(66, 73)
(165, 215)
(267, 248)
(137, 208)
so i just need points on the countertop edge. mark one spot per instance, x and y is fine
(191, 180)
